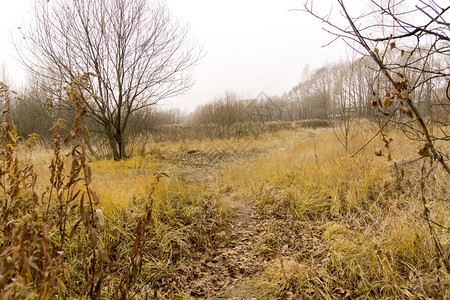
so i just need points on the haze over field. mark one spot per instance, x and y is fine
(250, 46)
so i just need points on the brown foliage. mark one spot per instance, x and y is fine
(40, 235)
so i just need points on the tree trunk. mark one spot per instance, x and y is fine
(113, 146)
(120, 145)
(116, 142)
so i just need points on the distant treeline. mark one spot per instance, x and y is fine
(335, 91)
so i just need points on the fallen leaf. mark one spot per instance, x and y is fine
(101, 218)
(425, 150)
(378, 152)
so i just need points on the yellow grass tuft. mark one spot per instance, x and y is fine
(373, 242)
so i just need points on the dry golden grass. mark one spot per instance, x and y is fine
(356, 220)
(371, 241)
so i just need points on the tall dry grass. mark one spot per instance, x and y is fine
(357, 221)
(62, 238)
(352, 227)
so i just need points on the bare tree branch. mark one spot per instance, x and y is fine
(137, 51)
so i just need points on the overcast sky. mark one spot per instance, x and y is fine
(251, 46)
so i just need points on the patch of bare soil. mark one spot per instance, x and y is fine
(235, 259)
(244, 250)
(252, 243)
(197, 165)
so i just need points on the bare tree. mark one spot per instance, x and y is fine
(344, 96)
(136, 51)
(410, 48)
(225, 110)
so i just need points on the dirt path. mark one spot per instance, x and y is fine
(219, 276)
(246, 233)
(226, 272)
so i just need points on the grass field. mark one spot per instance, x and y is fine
(285, 215)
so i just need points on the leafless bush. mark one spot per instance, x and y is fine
(408, 49)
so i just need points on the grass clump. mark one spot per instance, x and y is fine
(62, 236)
(42, 234)
(184, 221)
(358, 222)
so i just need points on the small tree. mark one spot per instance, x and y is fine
(138, 53)
(344, 95)
(410, 50)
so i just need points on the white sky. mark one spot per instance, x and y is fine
(251, 45)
